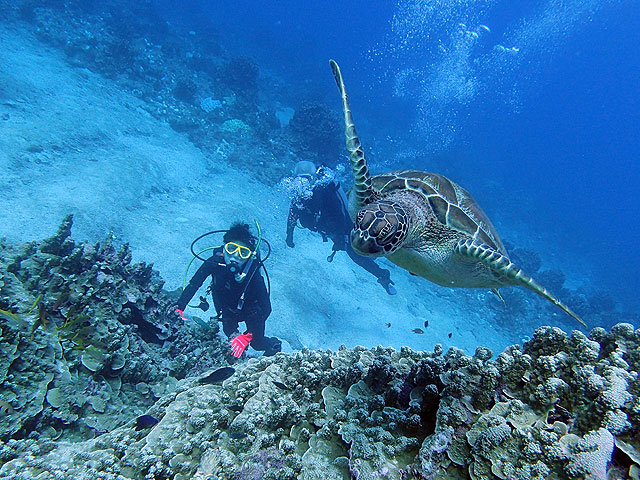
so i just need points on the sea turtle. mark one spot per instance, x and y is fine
(427, 224)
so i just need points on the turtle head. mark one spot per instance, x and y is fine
(380, 229)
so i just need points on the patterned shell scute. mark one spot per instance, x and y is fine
(421, 186)
(460, 220)
(440, 207)
(395, 184)
(451, 204)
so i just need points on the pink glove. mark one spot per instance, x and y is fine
(181, 313)
(239, 343)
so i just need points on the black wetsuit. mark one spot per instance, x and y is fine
(253, 309)
(326, 212)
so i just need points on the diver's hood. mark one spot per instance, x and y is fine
(305, 167)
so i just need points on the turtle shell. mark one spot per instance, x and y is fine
(452, 205)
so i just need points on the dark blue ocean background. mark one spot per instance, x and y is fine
(537, 116)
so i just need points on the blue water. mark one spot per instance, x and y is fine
(536, 114)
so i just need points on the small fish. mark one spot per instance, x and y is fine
(145, 421)
(450, 334)
(13, 317)
(80, 320)
(37, 300)
(426, 323)
(237, 435)
(41, 319)
(200, 322)
(5, 408)
(388, 324)
(61, 299)
(84, 332)
(218, 375)
(419, 331)
(236, 408)
(280, 385)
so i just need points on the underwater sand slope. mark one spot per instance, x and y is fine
(73, 143)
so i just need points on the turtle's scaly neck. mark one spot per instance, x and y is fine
(418, 215)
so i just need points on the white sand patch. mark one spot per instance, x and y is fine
(73, 142)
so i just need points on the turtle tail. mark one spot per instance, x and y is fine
(362, 179)
(501, 265)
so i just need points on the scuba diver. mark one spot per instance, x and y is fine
(238, 289)
(325, 211)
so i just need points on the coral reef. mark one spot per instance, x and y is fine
(87, 342)
(553, 408)
(242, 73)
(318, 131)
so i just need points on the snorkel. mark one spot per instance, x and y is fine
(254, 254)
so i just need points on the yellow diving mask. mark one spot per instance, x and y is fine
(231, 248)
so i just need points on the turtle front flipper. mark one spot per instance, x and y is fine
(362, 178)
(501, 265)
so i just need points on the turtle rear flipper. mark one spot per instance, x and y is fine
(362, 178)
(501, 265)
(497, 293)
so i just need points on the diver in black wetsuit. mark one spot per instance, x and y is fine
(238, 290)
(325, 212)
